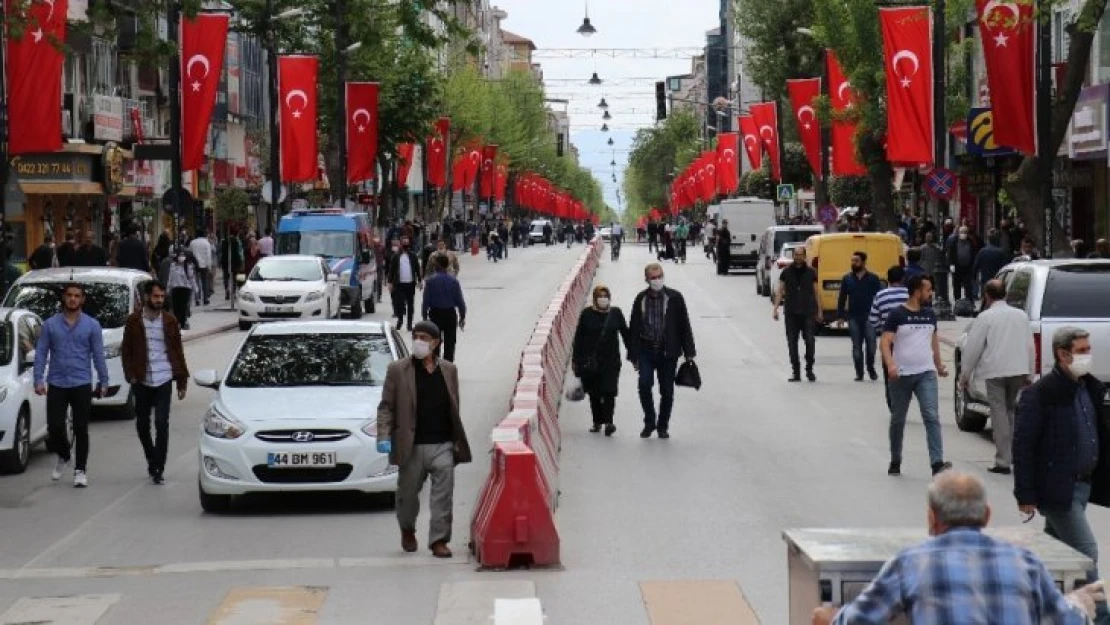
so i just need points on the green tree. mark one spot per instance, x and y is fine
(775, 51)
(850, 190)
(658, 154)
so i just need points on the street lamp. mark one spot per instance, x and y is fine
(610, 141)
(606, 116)
(603, 105)
(595, 80)
(587, 29)
(605, 128)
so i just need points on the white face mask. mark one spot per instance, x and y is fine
(656, 284)
(1081, 364)
(181, 259)
(603, 302)
(963, 235)
(421, 349)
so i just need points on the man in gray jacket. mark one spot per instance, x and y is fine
(999, 349)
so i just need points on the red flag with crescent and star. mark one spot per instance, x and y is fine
(362, 130)
(728, 171)
(500, 180)
(488, 170)
(35, 77)
(803, 96)
(766, 118)
(297, 91)
(707, 175)
(1010, 48)
(842, 98)
(437, 153)
(749, 135)
(203, 41)
(907, 57)
(404, 162)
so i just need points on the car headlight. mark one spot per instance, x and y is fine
(219, 425)
(312, 297)
(112, 351)
(345, 277)
(370, 428)
(246, 296)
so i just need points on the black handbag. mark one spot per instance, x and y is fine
(688, 375)
(590, 365)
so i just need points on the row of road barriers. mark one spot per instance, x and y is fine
(514, 519)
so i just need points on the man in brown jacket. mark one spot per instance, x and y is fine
(420, 428)
(153, 359)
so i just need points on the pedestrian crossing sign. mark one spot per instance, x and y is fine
(785, 192)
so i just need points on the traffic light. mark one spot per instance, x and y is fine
(660, 101)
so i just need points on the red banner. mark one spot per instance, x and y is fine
(404, 162)
(907, 52)
(841, 97)
(750, 137)
(707, 176)
(728, 165)
(297, 87)
(488, 171)
(500, 181)
(203, 41)
(437, 153)
(766, 119)
(1010, 48)
(362, 130)
(35, 77)
(803, 97)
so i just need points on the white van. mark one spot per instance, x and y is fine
(748, 218)
(770, 245)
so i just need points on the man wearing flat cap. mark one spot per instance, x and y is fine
(420, 427)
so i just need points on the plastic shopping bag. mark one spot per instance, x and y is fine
(574, 389)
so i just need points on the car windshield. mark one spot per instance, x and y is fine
(107, 302)
(782, 237)
(334, 244)
(788, 251)
(1077, 291)
(287, 270)
(311, 360)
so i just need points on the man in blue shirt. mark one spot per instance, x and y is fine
(71, 342)
(442, 298)
(858, 289)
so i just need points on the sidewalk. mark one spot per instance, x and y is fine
(215, 318)
(950, 331)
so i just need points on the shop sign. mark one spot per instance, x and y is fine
(1072, 177)
(980, 134)
(1088, 124)
(107, 118)
(979, 183)
(56, 167)
(114, 172)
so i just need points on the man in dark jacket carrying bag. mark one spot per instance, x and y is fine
(1062, 448)
(659, 332)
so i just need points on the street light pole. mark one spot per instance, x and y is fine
(1045, 156)
(275, 138)
(173, 20)
(341, 98)
(940, 128)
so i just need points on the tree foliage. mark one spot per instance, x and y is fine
(658, 154)
(776, 51)
(850, 190)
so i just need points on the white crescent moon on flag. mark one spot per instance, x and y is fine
(752, 137)
(729, 153)
(487, 163)
(905, 54)
(296, 93)
(712, 169)
(844, 86)
(196, 58)
(806, 109)
(477, 158)
(50, 13)
(769, 129)
(355, 115)
(994, 4)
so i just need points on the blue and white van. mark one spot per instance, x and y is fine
(345, 240)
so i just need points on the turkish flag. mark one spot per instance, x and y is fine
(203, 41)
(297, 88)
(766, 118)
(488, 171)
(907, 55)
(500, 181)
(362, 130)
(842, 98)
(750, 136)
(803, 94)
(728, 172)
(35, 76)
(707, 175)
(404, 162)
(437, 153)
(1010, 48)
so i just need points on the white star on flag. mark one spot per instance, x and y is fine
(196, 86)
(807, 126)
(37, 35)
(362, 128)
(906, 83)
(1000, 40)
(297, 114)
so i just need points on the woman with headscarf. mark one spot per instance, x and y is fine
(597, 359)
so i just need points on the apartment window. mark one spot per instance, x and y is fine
(102, 67)
(674, 84)
(1104, 51)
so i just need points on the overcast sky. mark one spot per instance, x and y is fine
(551, 24)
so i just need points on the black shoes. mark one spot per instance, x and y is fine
(1000, 470)
(609, 429)
(810, 376)
(859, 377)
(797, 377)
(895, 468)
(939, 467)
(664, 434)
(595, 428)
(647, 432)
(874, 374)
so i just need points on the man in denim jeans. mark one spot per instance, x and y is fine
(911, 355)
(858, 289)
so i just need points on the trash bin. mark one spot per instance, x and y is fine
(832, 566)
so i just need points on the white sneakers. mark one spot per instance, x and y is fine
(59, 469)
(80, 480)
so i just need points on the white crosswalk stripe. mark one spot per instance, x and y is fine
(71, 610)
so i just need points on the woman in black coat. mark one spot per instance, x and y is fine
(597, 359)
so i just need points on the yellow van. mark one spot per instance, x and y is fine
(830, 255)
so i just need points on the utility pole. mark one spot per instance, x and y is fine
(940, 128)
(823, 194)
(1045, 156)
(275, 138)
(176, 191)
(341, 98)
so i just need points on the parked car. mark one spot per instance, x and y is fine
(268, 430)
(535, 230)
(606, 233)
(346, 241)
(1054, 293)
(22, 412)
(770, 244)
(111, 295)
(289, 287)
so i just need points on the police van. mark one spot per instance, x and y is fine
(346, 240)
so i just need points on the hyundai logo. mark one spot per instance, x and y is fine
(303, 437)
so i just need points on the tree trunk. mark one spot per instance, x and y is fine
(881, 174)
(1024, 186)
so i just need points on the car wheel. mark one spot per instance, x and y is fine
(370, 306)
(327, 311)
(213, 504)
(966, 419)
(127, 410)
(16, 459)
(244, 325)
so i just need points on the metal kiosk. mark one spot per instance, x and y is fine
(833, 566)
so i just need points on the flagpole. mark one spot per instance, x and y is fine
(5, 167)
(1045, 157)
(275, 138)
(173, 27)
(341, 99)
(940, 128)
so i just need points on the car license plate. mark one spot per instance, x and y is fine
(831, 285)
(279, 309)
(297, 459)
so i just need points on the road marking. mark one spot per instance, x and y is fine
(708, 602)
(475, 603)
(71, 610)
(260, 605)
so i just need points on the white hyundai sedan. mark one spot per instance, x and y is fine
(297, 412)
(288, 287)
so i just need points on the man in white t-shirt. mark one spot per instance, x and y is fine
(266, 243)
(911, 355)
(201, 249)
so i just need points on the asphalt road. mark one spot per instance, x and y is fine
(749, 456)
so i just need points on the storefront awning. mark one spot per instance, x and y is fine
(62, 188)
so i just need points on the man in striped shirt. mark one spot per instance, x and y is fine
(893, 296)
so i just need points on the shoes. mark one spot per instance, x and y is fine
(810, 376)
(157, 478)
(609, 429)
(939, 467)
(797, 377)
(859, 377)
(664, 434)
(440, 549)
(408, 541)
(874, 374)
(80, 480)
(59, 469)
(647, 432)
(184, 326)
(206, 302)
(895, 468)
(595, 428)
(1000, 470)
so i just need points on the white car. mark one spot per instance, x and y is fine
(785, 259)
(288, 287)
(297, 412)
(22, 412)
(535, 230)
(111, 295)
(606, 233)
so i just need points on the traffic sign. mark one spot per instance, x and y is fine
(785, 192)
(827, 214)
(941, 183)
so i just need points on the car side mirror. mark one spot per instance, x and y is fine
(366, 257)
(333, 277)
(208, 378)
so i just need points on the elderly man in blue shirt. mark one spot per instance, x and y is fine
(443, 304)
(71, 343)
(962, 576)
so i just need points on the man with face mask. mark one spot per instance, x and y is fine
(798, 294)
(961, 263)
(659, 333)
(420, 427)
(1062, 447)
(403, 276)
